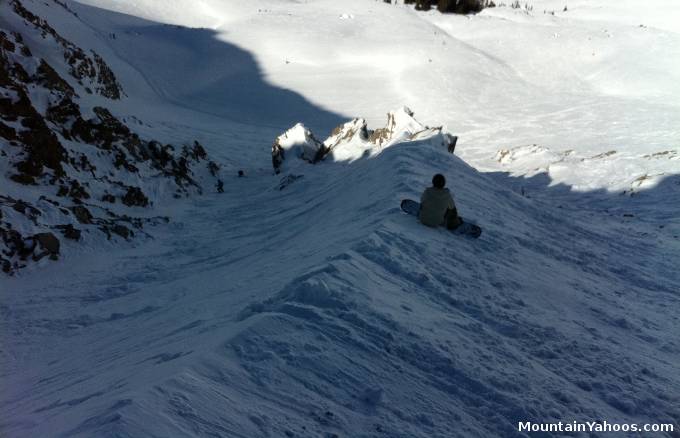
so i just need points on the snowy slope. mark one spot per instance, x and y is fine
(321, 309)
(312, 317)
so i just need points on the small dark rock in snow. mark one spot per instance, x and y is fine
(109, 198)
(82, 214)
(49, 243)
(69, 231)
(121, 230)
(135, 197)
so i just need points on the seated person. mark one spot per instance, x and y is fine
(437, 206)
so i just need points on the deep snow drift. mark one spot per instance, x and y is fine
(318, 308)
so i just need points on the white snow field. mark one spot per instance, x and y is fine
(322, 310)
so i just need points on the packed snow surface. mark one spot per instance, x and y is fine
(320, 309)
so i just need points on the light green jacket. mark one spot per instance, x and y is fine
(433, 206)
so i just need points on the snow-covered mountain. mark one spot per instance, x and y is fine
(304, 302)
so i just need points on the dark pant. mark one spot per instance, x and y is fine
(452, 220)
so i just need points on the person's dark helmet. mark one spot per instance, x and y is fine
(439, 181)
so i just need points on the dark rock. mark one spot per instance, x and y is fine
(41, 146)
(15, 243)
(20, 207)
(5, 43)
(62, 112)
(22, 178)
(46, 76)
(213, 168)
(121, 230)
(452, 6)
(7, 132)
(69, 231)
(109, 198)
(108, 84)
(198, 151)
(48, 242)
(135, 197)
(77, 191)
(278, 155)
(82, 214)
(121, 160)
(423, 5)
(451, 141)
(6, 265)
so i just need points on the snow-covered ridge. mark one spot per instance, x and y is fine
(619, 172)
(353, 140)
(70, 169)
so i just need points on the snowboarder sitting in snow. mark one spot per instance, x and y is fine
(437, 206)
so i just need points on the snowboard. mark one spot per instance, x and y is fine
(412, 207)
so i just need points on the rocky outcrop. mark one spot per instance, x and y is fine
(353, 140)
(90, 70)
(452, 6)
(354, 130)
(48, 244)
(135, 197)
(86, 168)
(298, 142)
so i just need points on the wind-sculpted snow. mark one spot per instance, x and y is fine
(328, 311)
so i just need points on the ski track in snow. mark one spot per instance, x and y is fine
(321, 309)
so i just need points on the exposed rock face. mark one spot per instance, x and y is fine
(79, 160)
(400, 122)
(49, 244)
(69, 231)
(82, 214)
(356, 129)
(297, 142)
(353, 140)
(17, 248)
(91, 71)
(452, 6)
(135, 197)
(122, 231)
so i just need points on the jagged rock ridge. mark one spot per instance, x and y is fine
(353, 139)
